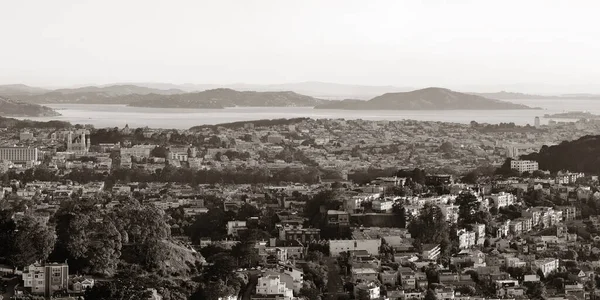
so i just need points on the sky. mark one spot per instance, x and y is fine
(453, 43)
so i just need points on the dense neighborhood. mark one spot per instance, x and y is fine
(296, 209)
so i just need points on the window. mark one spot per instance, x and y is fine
(40, 282)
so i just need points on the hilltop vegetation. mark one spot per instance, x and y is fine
(580, 155)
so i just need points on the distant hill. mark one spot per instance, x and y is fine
(221, 98)
(217, 98)
(520, 96)
(580, 155)
(20, 89)
(512, 96)
(315, 89)
(424, 99)
(14, 108)
(119, 90)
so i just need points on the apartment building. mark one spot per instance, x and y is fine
(19, 154)
(46, 279)
(524, 165)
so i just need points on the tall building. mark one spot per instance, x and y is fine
(19, 154)
(524, 165)
(512, 152)
(78, 144)
(46, 279)
(536, 122)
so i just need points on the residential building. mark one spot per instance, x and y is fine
(19, 154)
(370, 245)
(502, 199)
(271, 286)
(46, 279)
(338, 218)
(364, 274)
(431, 251)
(524, 165)
(466, 239)
(389, 277)
(372, 289)
(546, 265)
(234, 227)
(290, 232)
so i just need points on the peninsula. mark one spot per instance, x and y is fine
(13, 108)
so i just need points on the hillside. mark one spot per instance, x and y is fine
(580, 155)
(424, 99)
(221, 98)
(313, 88)
(513, 96)
(148, 97)
(14, 108)
(119, 90)
(20, 89)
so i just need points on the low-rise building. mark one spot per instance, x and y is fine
(46, 279)
(271, 287)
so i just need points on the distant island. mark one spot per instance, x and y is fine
(149, 97)
(9, 107)
(424, 99)
(222, 98)
(572, 115)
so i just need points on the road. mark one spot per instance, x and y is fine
(334, 280)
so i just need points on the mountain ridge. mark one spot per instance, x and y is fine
(432, 98)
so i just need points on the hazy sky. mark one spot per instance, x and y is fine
(405, 43)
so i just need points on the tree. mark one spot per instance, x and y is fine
(104, 248)
(246, 254)
(309, 290)
(213, 290)
(536, 290)
(159, 151)
(90, 245)
(430, 295)
(33, 241)
(222, 268)
(211, 250)
(316, 273)
(7, 233)
(315, 256)
(118, 289)
(430, 226)
(467, 207)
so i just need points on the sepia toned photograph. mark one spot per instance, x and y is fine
(299, 150)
